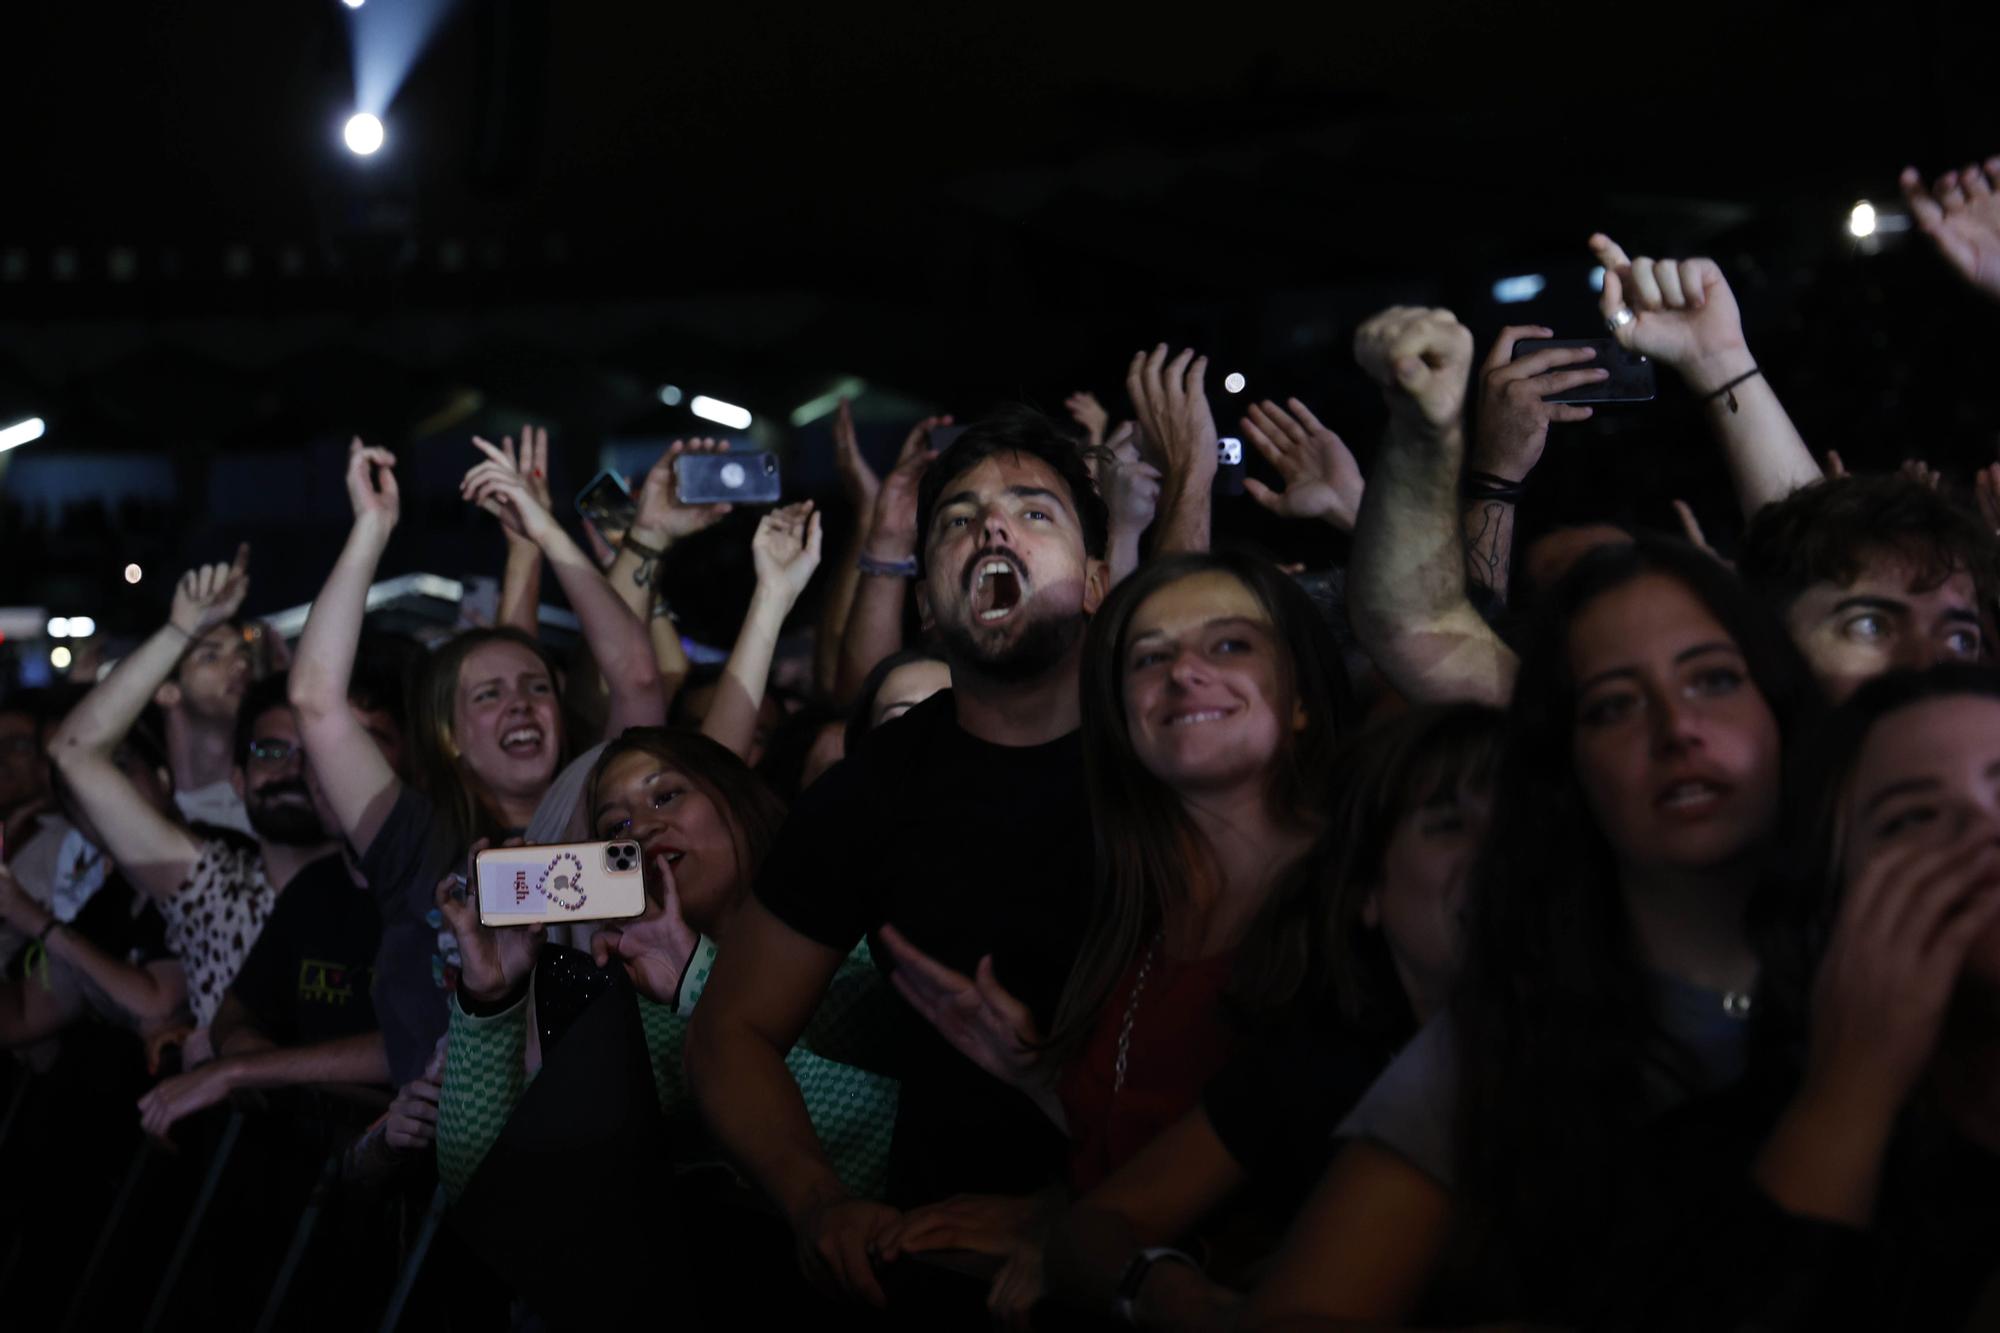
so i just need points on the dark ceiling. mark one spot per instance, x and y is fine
(581, 201)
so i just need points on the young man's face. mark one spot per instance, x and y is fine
(214, 674)
(1008, 581)
(1884, 621)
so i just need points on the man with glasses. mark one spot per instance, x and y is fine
(219, 894)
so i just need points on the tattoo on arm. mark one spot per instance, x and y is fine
(1484, 552)
(642, 573)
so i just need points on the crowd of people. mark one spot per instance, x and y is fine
(1568, 928)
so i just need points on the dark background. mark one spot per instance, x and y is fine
(205, 294)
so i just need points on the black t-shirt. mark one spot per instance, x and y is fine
(1278, 1101)
(307, 977)
(404, 864)
(968, 849)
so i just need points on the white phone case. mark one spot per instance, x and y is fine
(570, 881)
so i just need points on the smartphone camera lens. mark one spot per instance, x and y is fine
(770, 464)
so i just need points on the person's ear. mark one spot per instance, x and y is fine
(1301, 719)
(924, 606)
(1096, 584)
(168, 696)
(237, 783)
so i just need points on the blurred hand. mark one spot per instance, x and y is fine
(657, 948)
(1129, 484)
(1961, 215)
(371, 485)
(1321, 479)
(836, 1243)
(1514, 415)
(662, 518)
(1172, 405)
(1917, 470)
(1685, 314)
(892, 528)
(1088, 413)
(176, 1098)
(975, 1014)
(209, 595)
(411, 1125)
(786, 549)
(502, 487)
(533, 466)
(1422, 359)
(494, 961)
(858, 481)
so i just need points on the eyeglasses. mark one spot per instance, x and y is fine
(275, 750)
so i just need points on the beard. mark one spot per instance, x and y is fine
(1036, 650)
(287, 823)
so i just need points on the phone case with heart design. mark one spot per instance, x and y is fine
(571, 881)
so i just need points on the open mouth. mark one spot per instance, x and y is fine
(521, 742)
(656, 850)
(1691, 796)
(996, 589)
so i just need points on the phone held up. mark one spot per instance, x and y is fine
(607, 503)
(706, 479)
(573, 881)
(1630, 381)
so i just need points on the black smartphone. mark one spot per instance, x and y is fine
(1631, 378)
(1229, 466)
(706, 479)
(606, 503)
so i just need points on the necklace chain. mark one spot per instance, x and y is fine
(1132, 1014)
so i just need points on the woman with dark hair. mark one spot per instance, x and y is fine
(1609, 974)
(541, 1057)
(1406, 814)
(1213, 697)
(898, 683)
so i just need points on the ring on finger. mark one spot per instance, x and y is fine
(1619, 318)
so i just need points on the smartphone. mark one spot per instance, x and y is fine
(943, 437)
(569, 881)
(607, 503)
(1229, 466)
(706, 479)
(1631, 374)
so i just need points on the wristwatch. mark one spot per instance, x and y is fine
(1125, 1304)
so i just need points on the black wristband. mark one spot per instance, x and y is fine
(1488, 486)
(42, 935)
(486, 1009)
(1727, 391)
(631, 543)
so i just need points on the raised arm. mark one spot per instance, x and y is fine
(1321, 479)
(888, 563)
(1681, 313)
(760, 996)
(359, 784)
(617, 638)
(1406, 578)
(1131, 489)
(154, 852)
(861, 486)
(1172, 406)
(521, 583)
(1961, 215)
(1511, 432)
(786, 552)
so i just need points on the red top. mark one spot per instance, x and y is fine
(1179, 1041)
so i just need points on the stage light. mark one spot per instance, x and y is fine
(59, 658)
(81, 627)
(670, 394)
(58, 627)
(133, 573)
(21, 432)
(721, 413)
(352, 4)
(1861, 220)
(1233, 382)
(1524, 287)
(363, 133)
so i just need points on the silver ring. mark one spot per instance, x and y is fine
(1620, 318)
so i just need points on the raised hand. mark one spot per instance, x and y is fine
(502, 487)
(1961, 215)
(371, 484)
(661, 518)
(786, 548)
(208, 595)
(1129, 484)
(858, 481)
(1173, 411)
(1514, 414)
(1088, 413)
(1917, 470)
(657, 948)
(892, 528)
(493, 961)
(1321, 479)
(975, 1014)
(533, 465)
(1422, 358)
(1682, 314)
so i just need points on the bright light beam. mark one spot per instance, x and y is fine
(721, 413)
(21, 432)
(1861, 220)
(363, 133)
(388, 41)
